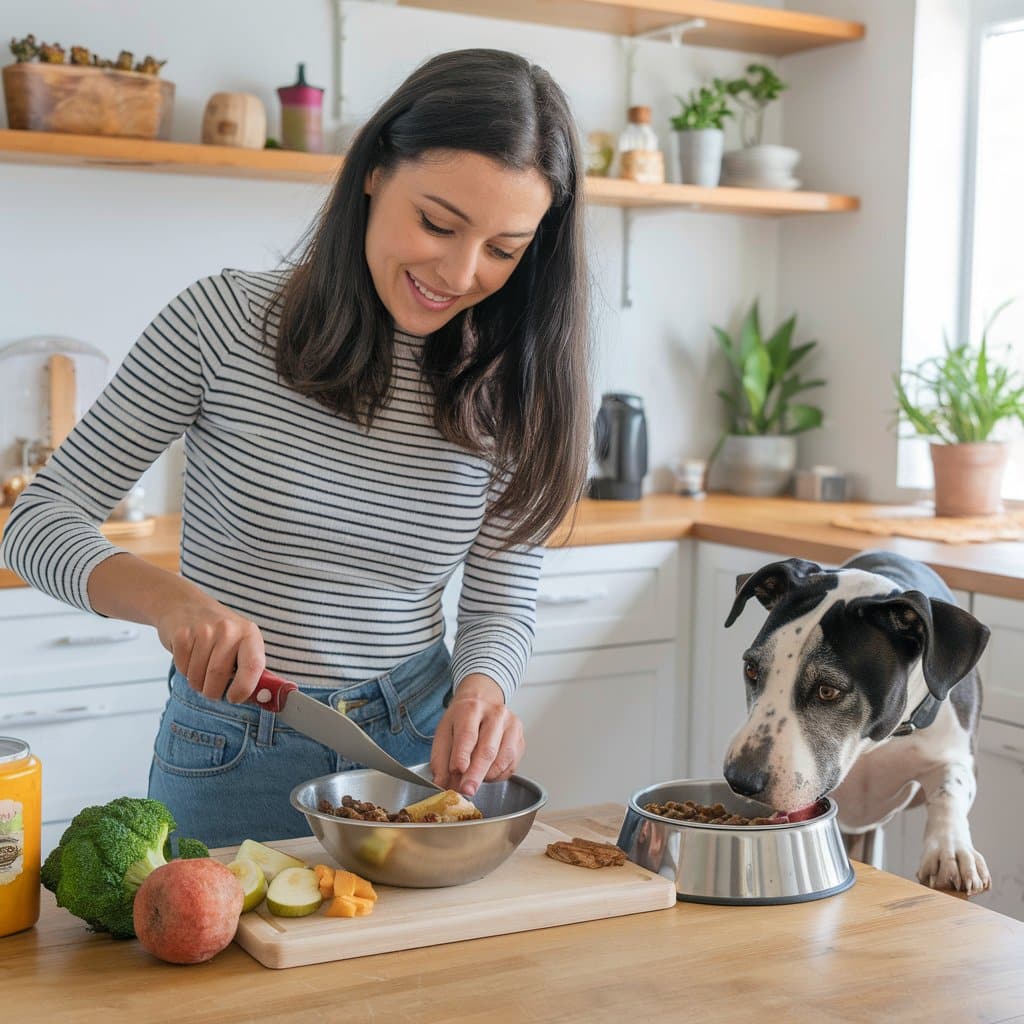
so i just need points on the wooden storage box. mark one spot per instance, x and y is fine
(87, 101)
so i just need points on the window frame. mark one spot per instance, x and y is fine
(985, 14)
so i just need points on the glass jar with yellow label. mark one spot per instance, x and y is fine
(21, 778)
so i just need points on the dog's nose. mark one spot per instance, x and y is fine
(745, 781)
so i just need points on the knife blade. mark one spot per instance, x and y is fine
(329, 727)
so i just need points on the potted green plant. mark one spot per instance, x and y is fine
(758, 451)
(700, 134)
(957, 400)
(758, 165)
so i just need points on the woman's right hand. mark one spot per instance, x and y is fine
(219, 651)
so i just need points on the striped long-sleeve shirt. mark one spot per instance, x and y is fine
(336, 540)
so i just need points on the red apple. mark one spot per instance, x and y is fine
(187, 911)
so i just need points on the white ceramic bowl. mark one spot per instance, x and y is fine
(767, 159)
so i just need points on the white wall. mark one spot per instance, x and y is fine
(848, 111)
(95, 254)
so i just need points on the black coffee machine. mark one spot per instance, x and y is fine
(620, 447)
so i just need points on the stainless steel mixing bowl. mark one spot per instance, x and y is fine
(735, 864)
(418, 855)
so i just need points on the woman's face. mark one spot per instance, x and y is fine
(446, 231)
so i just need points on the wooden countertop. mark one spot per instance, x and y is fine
(887, 949)
(783, 526)
(792, 528)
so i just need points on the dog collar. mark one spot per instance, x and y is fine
(923, 716)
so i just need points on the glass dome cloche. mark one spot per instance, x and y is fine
(47, 382)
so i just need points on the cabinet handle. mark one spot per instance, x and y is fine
(17, 719)
(122, 636)
(572, 596)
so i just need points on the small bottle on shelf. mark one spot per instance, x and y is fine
(640, 159)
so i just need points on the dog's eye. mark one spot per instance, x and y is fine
(829, 694)
(750, 671)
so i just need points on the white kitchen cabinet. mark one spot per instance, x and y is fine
(599, 722)
(48, 645)
(86, 694)
(996, 826)
(599, 596)
(717, 695)
(603, 692)
(1001, 664)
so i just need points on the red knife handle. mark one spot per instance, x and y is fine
(271, 692)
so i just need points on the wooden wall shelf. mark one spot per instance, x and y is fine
(727, 26)
(50, 148)
(165, 157)
(628, 194)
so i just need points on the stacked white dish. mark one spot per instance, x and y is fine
(761, 167)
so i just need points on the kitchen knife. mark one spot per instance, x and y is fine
(329, 727)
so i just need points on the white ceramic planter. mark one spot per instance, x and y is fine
(700, 156)
(758, 466)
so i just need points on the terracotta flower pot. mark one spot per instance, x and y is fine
(969, 478)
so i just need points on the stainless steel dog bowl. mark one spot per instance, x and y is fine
(418, 855)
(735, 864)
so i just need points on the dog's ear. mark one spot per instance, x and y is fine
(949, 640)
(771, 583)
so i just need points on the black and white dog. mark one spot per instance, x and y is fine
(847, 686)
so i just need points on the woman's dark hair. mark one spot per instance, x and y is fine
(510, 374)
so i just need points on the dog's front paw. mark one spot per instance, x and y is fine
(947, 865)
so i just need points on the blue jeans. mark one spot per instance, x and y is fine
(226, 770)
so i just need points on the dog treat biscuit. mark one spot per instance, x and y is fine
(585, 853)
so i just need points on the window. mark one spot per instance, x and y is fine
(993, 236)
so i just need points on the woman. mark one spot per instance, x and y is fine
(410, 396)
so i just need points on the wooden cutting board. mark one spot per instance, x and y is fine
(530, 890)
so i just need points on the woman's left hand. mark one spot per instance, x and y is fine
(478, 739)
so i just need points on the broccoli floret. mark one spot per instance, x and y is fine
(105, 854)
(190, 849)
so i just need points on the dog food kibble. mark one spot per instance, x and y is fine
(361, 810)
(441, 808)
(704, 814)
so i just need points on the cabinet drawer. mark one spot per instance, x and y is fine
(93, 745)
(996, 825)
(599, 596)
(46, 645)
(608, 595)
(1001, 676)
